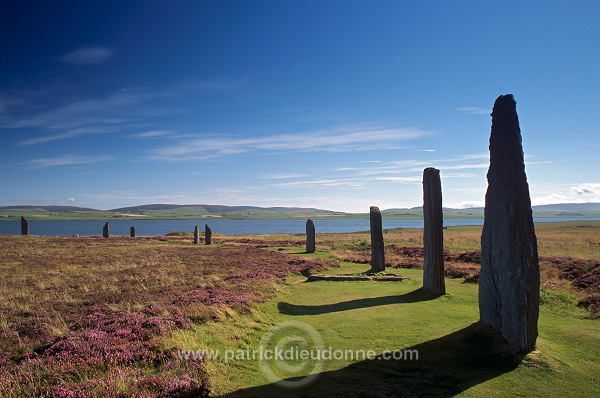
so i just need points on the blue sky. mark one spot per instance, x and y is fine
(338, 105)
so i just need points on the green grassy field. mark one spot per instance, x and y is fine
(453, 359)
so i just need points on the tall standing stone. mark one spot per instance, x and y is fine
(433, 235)
(207, 235)
(310, 236)
(509, 282)
(196, 235)
(377, 247)
(132, 232)
(105, 230)
(24, 226)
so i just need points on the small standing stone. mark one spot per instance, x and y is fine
(207, 235)
(196, 235)
(377, 247)
(310, 236)
(509, 282)
(132, 232)
(433, 235)
(24, 226)
(105, 230)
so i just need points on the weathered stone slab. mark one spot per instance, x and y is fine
(105, 230)
(196, 235)
(377, 245)
(335, 278)
(24, 226)
(509, 281)
(433, 235)
(132, 232)
(207, 235)
(310, 236)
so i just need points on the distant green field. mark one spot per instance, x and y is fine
(174, 212)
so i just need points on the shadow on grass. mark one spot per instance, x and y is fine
(412, 297)
(445, 367)
(303, 252)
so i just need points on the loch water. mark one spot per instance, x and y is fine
(121, 227)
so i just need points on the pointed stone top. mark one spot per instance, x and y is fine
(505, 100)
(374, 208)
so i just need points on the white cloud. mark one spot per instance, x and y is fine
(87, 56)
(321, 183)
(475, 110)
(153, 133)
(65, 160)
(64, 135)
(578, 193)
(126, 109)
(281, 176)
(71, 199)
(470, 204)
(398, 179)
(339, 139)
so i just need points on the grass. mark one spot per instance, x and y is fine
(391, 316)
(92, 317)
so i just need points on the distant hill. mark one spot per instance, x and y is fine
(241, 211)
(555, 210)
(172, 211)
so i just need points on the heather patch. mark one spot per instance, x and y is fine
(84, 317)
(592, 304)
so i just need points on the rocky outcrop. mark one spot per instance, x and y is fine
(510, 276)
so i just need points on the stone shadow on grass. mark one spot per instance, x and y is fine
(445, 367)
(412, 297)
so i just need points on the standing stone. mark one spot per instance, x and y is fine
(509, 282)
(207, 235)
(310, 236)
(433, 235)
(377, 247)
(196, 235)
(24, 226)
(132, 232)
(105, 230)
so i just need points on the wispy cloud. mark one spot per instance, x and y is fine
(87, 56)
(339, 139)
(399, 179)
(64, 135)
(475, 110)
(322, 183)
(65, 160)
(281, 176)
(153, 133)
(125, 109)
